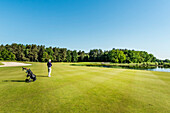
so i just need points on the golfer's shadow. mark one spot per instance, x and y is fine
(13, 81)
(41, 76)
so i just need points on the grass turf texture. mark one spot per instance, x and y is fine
(1, 63)
(84, 89)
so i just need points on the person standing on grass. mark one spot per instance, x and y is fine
(49, 64)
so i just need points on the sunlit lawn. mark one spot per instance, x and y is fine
(83, 89)
(1, 63)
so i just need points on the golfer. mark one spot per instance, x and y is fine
(49, 64)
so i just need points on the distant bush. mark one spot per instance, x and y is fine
(41, 53)
(147, 63)
(156, 63)
(166, 64)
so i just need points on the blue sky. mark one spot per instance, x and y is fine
(88, 24)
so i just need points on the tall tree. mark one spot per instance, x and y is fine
(34, 51)
(74, 56)
(63, 53)
(40, 53)
(69, 57)
(81, 55)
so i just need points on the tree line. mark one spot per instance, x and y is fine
(40, 53)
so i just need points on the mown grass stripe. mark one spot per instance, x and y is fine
(84, 89)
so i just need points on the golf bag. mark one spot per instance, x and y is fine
(30, 75)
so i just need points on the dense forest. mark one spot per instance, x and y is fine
(40, 53)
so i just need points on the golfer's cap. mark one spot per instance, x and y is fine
(49, 60)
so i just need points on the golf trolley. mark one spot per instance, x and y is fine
(29, 75)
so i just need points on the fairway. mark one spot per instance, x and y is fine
(73, 89)
(1, 63)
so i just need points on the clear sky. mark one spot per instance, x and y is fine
(88, 24)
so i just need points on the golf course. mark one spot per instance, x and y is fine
(73, 89)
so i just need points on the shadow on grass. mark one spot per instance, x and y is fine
(41, 76)
(13, 81)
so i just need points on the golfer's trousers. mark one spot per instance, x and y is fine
(49, 71)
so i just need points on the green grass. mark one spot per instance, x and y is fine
(73, 89)
(1, 63)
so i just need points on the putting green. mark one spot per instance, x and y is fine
(84, 89)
